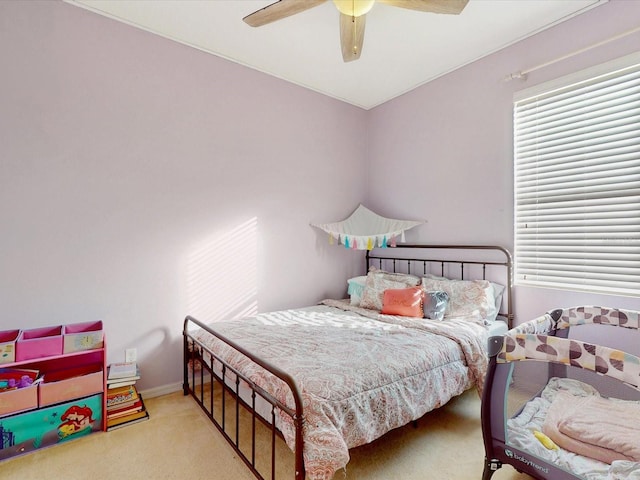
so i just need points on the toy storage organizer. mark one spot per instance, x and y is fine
(68, 399)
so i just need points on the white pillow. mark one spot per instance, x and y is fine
(498, 292)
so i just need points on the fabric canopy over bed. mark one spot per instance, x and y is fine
(365, 230)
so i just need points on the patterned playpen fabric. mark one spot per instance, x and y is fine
(529, 341)
(550, 341)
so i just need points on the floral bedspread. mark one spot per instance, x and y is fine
(359, 376)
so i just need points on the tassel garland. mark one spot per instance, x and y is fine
(366, 242)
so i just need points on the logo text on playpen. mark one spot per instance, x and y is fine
(526, 461)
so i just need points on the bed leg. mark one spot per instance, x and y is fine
(185, 366)
(490, 467)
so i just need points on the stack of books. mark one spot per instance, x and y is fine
(124, 404)
(122, 374)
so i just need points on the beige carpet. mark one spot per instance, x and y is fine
(178, 442)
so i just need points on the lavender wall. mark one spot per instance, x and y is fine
(447, 146)
(141, 180)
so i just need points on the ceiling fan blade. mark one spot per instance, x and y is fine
(351, 36)
(279, 10)
(451, 7)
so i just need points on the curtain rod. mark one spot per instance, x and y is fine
(522, 74)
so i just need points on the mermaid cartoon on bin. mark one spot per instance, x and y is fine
(75, 420)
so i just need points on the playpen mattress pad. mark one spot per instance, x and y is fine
(532, 418)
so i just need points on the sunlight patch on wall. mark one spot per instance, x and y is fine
(222, 275)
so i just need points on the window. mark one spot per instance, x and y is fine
(577, 181)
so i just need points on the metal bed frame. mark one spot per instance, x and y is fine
(206, 384)
(396, 263)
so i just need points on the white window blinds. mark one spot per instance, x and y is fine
(577, 183)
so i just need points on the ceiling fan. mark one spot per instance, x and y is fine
(352, 16)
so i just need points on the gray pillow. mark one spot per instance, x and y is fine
(435, 303)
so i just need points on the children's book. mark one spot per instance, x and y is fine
(122, 382)
(124, 420)
(121, 396)
(128, 420)
(122, 370)
(137, 406)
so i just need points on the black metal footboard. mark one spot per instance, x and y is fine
(237, 406)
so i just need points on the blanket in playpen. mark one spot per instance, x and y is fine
(595, 427)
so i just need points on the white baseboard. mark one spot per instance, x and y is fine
(161, 390)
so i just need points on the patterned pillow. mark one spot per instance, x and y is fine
(378, 281)
(471, 299)
(498, 293)
(403, 301)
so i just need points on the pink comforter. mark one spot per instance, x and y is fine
(359, 377)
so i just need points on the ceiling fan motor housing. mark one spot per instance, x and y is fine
(354, 8)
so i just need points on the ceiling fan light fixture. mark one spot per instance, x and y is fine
(352, 16)
(354, 8)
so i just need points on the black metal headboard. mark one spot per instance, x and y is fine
(463, 262)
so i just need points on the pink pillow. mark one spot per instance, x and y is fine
(403, 301)
(378, 281)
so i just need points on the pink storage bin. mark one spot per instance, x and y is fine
(18, 400)
(83, 336)
(38, 343)
(8, 345)
(69, 384)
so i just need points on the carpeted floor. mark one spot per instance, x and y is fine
(178, 442)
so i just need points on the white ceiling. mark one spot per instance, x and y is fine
(402, 48)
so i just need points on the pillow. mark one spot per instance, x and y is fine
(356, 288)
(435, 304)
(403, 301)
(498, 292)
(472, 299)
(378, 281)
